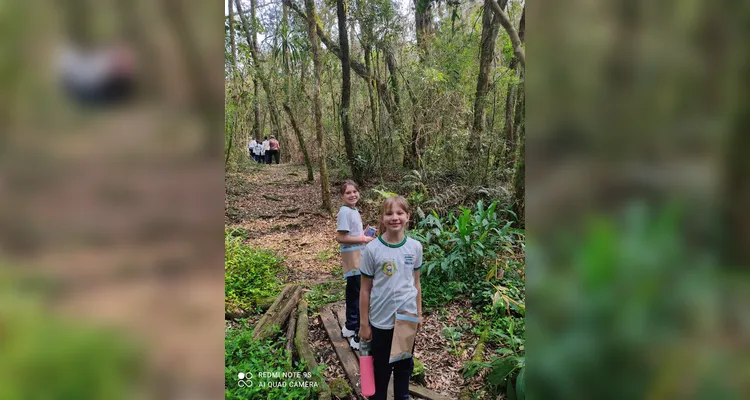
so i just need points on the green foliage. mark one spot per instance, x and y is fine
(453, 334)
(502, 371)
(248, 273)
(244, 355)
(465, 241)
(325, 293)
(340, 388)
(384, 194)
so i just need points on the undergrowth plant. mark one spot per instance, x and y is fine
(243, 354)
(249, 273)
(477, 255)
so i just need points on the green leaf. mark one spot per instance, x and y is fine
(521, 385)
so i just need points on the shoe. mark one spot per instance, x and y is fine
(346, 333)
(354, 342)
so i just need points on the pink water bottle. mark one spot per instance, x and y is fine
(366, 369)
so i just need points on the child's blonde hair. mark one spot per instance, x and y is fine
(388, 204)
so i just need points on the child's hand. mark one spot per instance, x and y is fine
(368, 239)
(365, 333)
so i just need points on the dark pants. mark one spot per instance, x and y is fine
(381, 352)
(267, 157)
(352, 303)
(274, 156)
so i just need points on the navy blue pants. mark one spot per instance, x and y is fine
(381, 352)
(352, 303)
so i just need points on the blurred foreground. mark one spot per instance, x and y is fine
(111, 214)
(638, 188)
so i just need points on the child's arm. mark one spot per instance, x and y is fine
(418, 285)
(343, 237)
(364, 308)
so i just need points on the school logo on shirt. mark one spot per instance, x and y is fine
(409, 259)
(389, 267)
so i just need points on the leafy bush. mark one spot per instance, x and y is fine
(465, 241)
(248, 273)
(507, 373)
(244, 355)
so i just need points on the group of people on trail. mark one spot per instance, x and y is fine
(266, 151)
(383, 291)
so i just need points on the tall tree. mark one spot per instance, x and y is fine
(288, 95)
(511, 99)
(423, 24)
(252, 42)
(490, 29)
(346, 84)
(325, 187)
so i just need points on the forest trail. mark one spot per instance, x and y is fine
(281, 212)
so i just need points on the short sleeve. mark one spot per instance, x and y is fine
(418, 259)
(366, 267)
(342, 221)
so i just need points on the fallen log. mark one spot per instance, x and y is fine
(288, 289)
(306, 355)
(262, 304)
(277, 316)
(269, 197)
(290, 329)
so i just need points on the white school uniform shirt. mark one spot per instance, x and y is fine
(266, 147)
(348, 220)
(257, 150)
(253, 144)
(391, 268)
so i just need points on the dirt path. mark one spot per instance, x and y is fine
(281, 212)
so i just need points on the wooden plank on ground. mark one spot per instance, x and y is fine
(346, 356)
(423, 392)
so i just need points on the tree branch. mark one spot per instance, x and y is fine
(514, 39)
(355, 65)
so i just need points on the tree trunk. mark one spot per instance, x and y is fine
(511, 102)
(370, 94)
(390, 60)
(423, 24)
(519, 187)
(490, 28)
(325, 187)
(252, 42)
(230, 6)
(346, 85)
(301, 140)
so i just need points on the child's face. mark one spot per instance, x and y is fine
(395, 219)
(351, 195)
